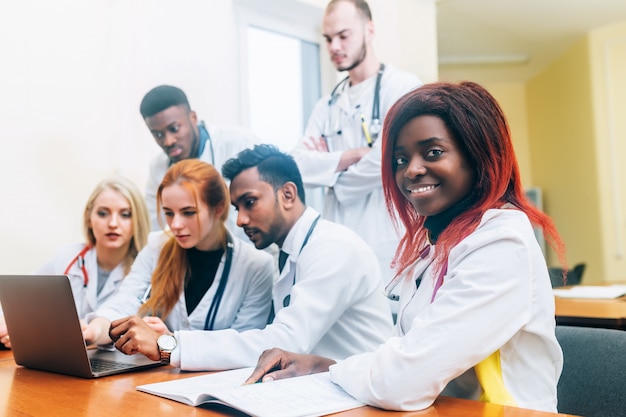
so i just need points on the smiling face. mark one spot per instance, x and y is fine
(259, 211)
(110, 221)
(430, 169)
(175, 131)
(191, 222)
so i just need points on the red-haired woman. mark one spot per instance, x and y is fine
(196, 275)
(476, 316)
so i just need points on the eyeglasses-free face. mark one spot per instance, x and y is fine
(431, 171)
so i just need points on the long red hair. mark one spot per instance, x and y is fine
(204, 183)
(479, 126)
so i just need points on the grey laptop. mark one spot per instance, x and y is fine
(46, 333)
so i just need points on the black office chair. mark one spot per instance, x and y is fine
(594, 372)
(574, 275)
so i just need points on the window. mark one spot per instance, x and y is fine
(281, 72)
(283, 85)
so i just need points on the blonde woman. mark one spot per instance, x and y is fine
(116, 227)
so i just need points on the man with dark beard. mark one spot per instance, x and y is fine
(340, 150)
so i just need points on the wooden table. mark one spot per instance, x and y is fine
(609, 313)
(27, 392)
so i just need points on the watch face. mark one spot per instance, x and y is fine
(166, 342)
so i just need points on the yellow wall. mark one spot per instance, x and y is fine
(577, 131)
(569, 131)
(563, 155)
(512, 99)
(608, 66)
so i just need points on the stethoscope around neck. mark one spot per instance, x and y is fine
(422, 256)
(393, 284)
(375, 126)
(79, 260)
(287, 298)
(202, 144)
(209, 322)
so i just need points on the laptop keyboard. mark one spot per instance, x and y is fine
(99, 365)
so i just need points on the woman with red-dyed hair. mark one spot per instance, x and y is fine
(476, 316)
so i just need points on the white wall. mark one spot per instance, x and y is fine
(407, 35)
(72, 74)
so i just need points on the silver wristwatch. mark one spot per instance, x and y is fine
(166, 344)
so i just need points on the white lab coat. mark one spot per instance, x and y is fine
(245, 304)
(496, 298)
(337, 306)
(354, 197)
(227, 143)
(86, 298)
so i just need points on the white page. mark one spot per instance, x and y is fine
(193, 388)
(306, 396)
(591, 291)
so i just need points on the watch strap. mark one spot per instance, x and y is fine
(165, 356)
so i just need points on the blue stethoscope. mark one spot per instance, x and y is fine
(373, 131)
(203, 141)
(209, 322)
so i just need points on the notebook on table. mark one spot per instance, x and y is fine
(46, 333)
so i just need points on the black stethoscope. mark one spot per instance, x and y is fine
(373, 131)
(287, 298)
(209, 322)
(398, 279)
(79, 260)
(438, 283)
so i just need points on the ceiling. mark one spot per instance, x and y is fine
(513, 40)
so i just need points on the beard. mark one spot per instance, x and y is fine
(272, 232)
(359, 59)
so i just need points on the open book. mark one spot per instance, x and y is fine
(304, 396)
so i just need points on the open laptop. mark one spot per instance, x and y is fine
(46, 332)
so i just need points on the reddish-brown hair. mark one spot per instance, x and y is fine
(479, 126)
(204, 183)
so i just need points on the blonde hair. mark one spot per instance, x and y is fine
(204, 183)
(139, 215)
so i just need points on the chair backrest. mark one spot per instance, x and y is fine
(593, 382)
(578, 272)
(574, 275)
